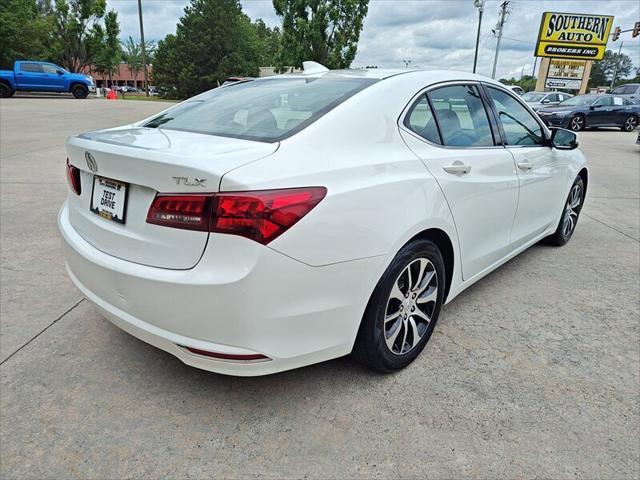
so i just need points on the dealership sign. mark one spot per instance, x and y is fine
(566, 74)
(573, 35)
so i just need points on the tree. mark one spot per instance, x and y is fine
(325, 31)
(602, 72)
(78, 33)
(132, 55)
(214, 39)
(109, 55)
(25, 30)
(270, 39)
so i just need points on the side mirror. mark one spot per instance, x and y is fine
(563, 139)
(546, 100)
(59, 72)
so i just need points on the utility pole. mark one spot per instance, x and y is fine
(503, 18)
(479, 4)
(615, 71)
(144, 52)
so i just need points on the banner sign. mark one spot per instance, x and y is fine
(573, 35)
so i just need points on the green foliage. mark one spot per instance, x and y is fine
(602, 72)
(25, 30)
(132, 55)
(213, 40)
(325, 31)
(77, 32)
(269, 43)
(109, 53)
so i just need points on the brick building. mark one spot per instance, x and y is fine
(122, 77)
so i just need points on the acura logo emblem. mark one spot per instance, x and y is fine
(91, 162)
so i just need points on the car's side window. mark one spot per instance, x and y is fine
(49, 68)
(461, 116)
(553, 97)
(603, 102)
(420, 120)
(520, 127)
(31, 67)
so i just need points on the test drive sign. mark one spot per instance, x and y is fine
(573, 35)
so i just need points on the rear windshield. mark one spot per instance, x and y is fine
(262, 110)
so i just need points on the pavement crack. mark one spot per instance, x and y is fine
(43, 330)
(612, 228)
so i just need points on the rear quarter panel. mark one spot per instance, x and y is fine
(379, 194)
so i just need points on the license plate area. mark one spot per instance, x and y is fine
(109, 199)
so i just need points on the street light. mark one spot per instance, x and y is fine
(479, 4)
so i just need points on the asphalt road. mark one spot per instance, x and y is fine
(533, 372)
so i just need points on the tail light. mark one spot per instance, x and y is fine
(73, 176)
(258, 215)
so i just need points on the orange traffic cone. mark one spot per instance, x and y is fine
(112, 95)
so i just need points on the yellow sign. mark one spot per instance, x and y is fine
(573, 35)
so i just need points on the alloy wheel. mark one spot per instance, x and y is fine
(410, 306)
(572, 210)
(577, 123)
(630, 124)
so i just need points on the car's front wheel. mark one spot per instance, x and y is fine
(630, 123)
(570, 214)
(403, 309)
(80, 91)
(5, 90)
(576, 123)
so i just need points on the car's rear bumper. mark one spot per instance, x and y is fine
(242, 298)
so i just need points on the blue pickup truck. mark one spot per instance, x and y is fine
(29, 76)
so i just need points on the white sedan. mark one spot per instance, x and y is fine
(279, 222)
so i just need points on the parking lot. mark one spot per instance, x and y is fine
(532, 372)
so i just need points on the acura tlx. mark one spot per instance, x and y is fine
(282, 221)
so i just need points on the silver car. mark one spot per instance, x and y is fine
(538, 100)
(630, 91)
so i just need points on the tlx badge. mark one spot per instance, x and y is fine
(192, 183)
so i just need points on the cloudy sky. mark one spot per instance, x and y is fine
(430, 33)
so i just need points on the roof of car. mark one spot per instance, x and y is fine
(382, 73)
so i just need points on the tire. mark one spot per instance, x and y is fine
(570, 215)
(6, 91)
(576, 123)
(80, 91)
(394, 344)
(629, 124)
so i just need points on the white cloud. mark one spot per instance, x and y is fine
(432, 34)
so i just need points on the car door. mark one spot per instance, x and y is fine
(29, 76)
(542, 171)
(53, 80)
(601, 112)
(449, 128)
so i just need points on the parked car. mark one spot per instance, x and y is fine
(584, 111)
(284, 221)
(29, 76)
(537, 100)
(515, 88)
(630, 91)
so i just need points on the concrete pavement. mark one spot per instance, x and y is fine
(532, 372)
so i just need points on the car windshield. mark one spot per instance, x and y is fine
(533, 97)
(263, 110)
(580, 100)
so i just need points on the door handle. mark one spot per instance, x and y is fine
(458, 168)
(525, 165)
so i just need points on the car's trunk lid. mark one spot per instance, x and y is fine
(148, 161)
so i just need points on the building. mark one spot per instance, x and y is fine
(123, 77)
